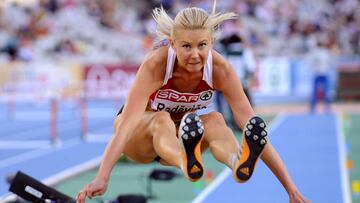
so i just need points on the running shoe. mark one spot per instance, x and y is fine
(254, 140)
(191, 132)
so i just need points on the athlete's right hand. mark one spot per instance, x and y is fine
(94, 188)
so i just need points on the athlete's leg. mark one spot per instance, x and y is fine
(220, 138)
(225, 147)
(326, 93)
(314, 96)
(166, 144)
(154, 136)
(139, 147)
(183, 151)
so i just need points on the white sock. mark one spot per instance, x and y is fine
(234, 159)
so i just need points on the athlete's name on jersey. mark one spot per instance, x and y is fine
(179, 108)
(174, 96)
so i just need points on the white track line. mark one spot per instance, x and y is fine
(36, 153)
(66, 125)
(98, 112)
(227, 172)
(63, 175)
(342, 159)
(91, 137)
(218, 181)
(12, 144)
(73, 171)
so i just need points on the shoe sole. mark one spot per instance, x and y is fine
(254, 141)
(191, 132)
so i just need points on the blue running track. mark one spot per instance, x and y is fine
(25, 141)
(311, 147)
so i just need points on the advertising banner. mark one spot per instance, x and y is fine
(39, 80)
(274, 76)
(108, 81)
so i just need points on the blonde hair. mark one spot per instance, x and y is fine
(189, 18)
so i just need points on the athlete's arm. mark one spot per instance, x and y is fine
(144, 85)
(226, 80)
(148, 79)
(272, 159)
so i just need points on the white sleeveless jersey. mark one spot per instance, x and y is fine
(178, 103)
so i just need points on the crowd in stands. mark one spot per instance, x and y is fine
(81, 31)
(122, 30)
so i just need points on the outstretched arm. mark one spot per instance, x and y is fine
(148, 80)
(226, 80)
(272, 159)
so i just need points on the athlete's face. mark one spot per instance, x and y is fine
(192, 48)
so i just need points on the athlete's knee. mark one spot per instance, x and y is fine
(161, 120)
(161, 117)
(214, 119)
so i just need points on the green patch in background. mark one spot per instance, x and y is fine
(131, 178)
(351, 127)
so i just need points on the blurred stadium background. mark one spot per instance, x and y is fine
(66, 67)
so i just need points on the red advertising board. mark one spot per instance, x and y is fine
(108, 81)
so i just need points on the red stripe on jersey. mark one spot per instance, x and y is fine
(203, 86)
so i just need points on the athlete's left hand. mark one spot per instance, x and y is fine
(296, 197)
